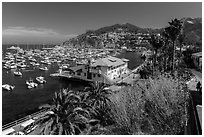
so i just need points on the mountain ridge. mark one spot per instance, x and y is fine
(192, 29)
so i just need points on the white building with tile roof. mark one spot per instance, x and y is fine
(105, 70)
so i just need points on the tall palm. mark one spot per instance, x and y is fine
(65, 117)
(174, 30)
(156, 44)
(181, 40)
(166, 50)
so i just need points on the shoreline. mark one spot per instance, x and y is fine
(34, 109)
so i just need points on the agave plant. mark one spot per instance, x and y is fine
(66, 116)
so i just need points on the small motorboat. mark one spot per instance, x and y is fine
(41, 79)
(13, 66)
(31, 84)
(37, 64)
(17, 73)
(43, 68)
(6, 67)
(8, 87)
(21, 65)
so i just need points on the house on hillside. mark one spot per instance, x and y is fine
(197, 59)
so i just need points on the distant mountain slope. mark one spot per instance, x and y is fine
(125, 27)
(192, 31)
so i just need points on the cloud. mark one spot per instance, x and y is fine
(40, 32)
(31, 34)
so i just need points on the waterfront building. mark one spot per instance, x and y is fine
(107, 70)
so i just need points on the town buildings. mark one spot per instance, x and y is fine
(107, 70)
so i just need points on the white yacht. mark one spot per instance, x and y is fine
(41, 79)
(43, 68)
(17, 73)
(31, 84)
(8, 87)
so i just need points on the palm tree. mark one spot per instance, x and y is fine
(156, 43)
(98, 94)
(173, 31)
(181, 40)
(166, 50)
(98, 98)
(65, 115)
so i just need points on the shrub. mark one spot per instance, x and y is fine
(153, 106)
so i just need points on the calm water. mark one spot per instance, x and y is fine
(23, 101)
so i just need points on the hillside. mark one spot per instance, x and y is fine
(127, 27)
(125, 32)
(193, 30)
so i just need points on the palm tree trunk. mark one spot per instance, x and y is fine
(165, 63)
(180, 53)
(154, 61)
(173, 59)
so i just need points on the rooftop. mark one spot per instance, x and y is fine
(109, 61)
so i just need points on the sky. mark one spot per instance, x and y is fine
(55, 22)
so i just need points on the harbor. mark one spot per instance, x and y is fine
(73, 68)
(26, 100)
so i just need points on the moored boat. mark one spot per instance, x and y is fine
(31, 84)
(13, 66)
(43, 68)
(41, 79)
(8, 87)
(17, 73)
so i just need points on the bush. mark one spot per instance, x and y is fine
(153, 106)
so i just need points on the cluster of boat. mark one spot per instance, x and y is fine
(30, 84)
(8, 87)
(62, 55)
(18, 59)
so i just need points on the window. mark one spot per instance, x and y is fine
(84, 74)
(94, 75)
(99, 75)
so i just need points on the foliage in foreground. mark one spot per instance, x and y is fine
(153, 106)
(150, 106)
(68, 115)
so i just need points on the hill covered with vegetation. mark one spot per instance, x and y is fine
(127, 34)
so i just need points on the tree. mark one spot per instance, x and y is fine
(156, 44)
(173, 31)
(98, 98)
(181, 38)
(65, 115)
